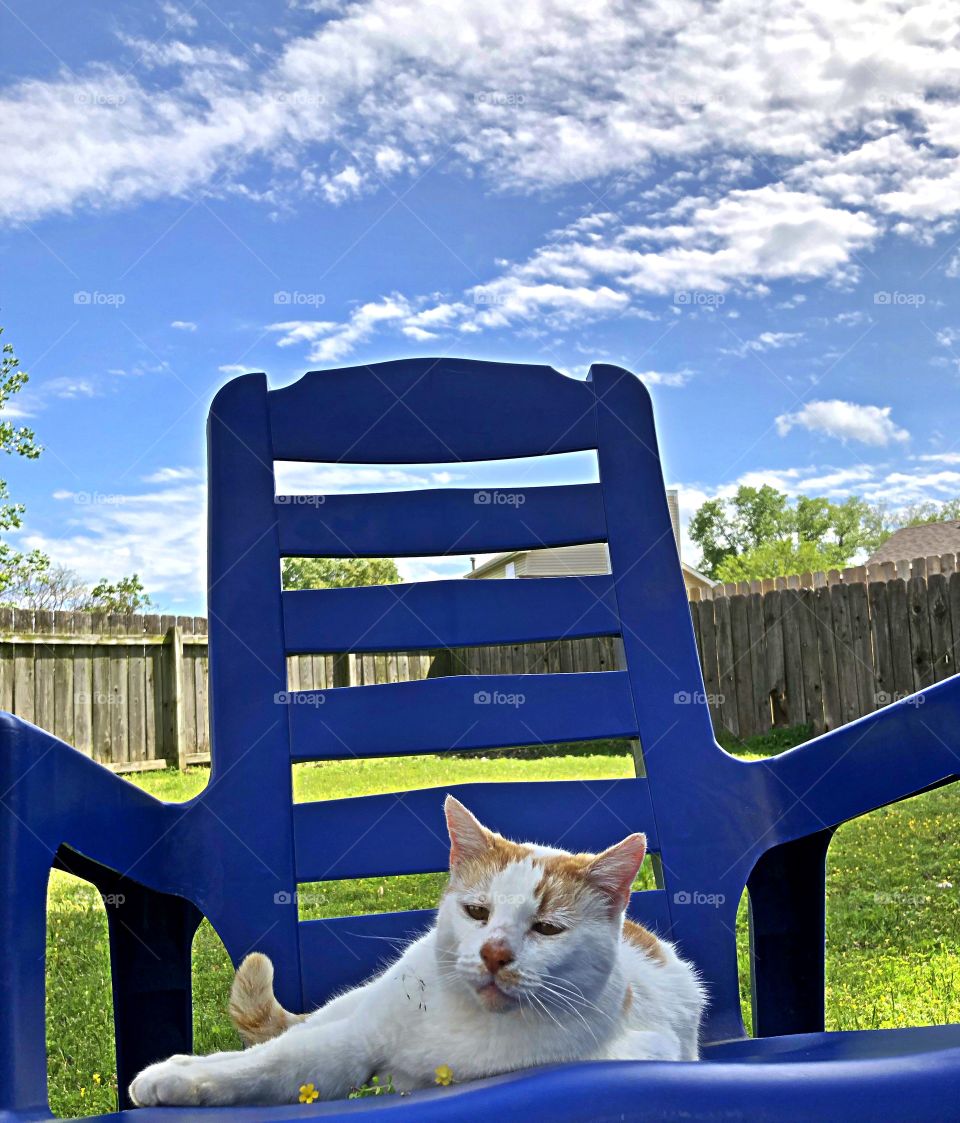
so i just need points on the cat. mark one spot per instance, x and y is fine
(530, 962)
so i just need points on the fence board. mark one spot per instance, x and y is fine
(941, 633)
(725, 667)
(846, 658)
(792, 663)
(810, 661)
(919, 615)
(773, 637)
(882, 649)
(758, 654)
(860, 627)
(827, 657)
(743, 675)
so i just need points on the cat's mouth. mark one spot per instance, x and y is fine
(494, 997)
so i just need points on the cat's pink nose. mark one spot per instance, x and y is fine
(495, 954)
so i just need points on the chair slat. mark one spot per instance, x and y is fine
(405, 412)
(432, 614)
(404, 832)
(458, 713)
(342, 952)
(439, 521)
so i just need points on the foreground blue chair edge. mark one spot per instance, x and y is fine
(57, 808)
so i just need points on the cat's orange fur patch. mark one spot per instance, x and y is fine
(643, 939)
(627, 1001)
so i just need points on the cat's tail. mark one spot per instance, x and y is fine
(254, 1008)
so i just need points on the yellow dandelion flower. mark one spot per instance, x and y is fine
(96, 1078)
(308, 1094)
(443, 1075)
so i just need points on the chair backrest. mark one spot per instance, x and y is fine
(431, 411)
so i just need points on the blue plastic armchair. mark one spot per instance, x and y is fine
(236, 852)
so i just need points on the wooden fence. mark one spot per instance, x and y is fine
(824, 656)
(854, 575)
(131, 691)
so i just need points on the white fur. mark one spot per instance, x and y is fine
(566, 1000)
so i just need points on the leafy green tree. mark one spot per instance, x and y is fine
(122, 597)
(931, 513)
(727, 527)
(338, 573)
(779, 557)
(758, 533)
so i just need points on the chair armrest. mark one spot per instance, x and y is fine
(53, 797)
(897, 752)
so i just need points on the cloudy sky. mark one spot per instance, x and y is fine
(752, 203)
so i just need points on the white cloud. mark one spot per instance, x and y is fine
(233, 368)
(765, 341)
(665, 378)
(870, 425)
(169, 475)
(183, 325)
(159, 534)
(854, 104)
(941, 457)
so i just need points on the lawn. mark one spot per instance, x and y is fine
(893, 913)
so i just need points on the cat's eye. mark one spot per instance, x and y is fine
(543, 928)
(477, 912)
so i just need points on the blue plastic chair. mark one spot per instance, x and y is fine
(236, 852)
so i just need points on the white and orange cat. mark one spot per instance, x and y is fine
(531, 962)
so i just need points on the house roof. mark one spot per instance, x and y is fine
(926, 540)
(502, 559)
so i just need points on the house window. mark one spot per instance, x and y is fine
(510, 569)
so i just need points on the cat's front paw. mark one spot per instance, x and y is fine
(177, 1082)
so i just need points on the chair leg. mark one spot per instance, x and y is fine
(151, 937)
(787, 910)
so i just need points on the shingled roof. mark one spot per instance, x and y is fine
(922, 541)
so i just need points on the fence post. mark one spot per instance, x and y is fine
(175, 744)
(344, 670)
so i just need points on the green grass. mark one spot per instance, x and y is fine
(893, 915)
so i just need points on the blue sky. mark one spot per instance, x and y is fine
(759, 215)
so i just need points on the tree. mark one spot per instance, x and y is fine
(725, 527)
(779, 557)
(338, 573)
(757, 533)
(122, 597)
(33, 581)
(930, 512)
(13, 438)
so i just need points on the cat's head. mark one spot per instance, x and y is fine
(521, 925)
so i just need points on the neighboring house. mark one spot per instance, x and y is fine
(924, 541)
(578, 561)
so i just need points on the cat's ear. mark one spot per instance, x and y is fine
(469, 838)
(614, 871)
